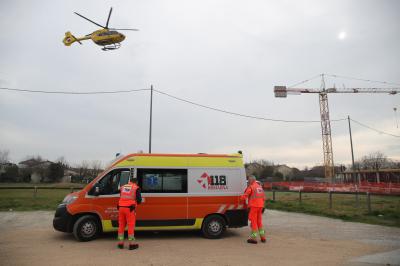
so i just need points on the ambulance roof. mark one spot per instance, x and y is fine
(180, 160)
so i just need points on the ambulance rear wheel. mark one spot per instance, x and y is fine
(86, 228)
(213, 226)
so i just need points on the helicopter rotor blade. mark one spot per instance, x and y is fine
(108, 19)
(89, 20)
(125, 29)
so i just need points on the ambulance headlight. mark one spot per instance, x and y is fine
(69, 199)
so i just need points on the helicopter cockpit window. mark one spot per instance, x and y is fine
(113, 32)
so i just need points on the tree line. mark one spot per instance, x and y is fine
(36, 169)
(268, 170)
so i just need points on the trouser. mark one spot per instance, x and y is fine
(255, 217)
(126, 216)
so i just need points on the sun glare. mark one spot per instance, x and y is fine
(342, 35)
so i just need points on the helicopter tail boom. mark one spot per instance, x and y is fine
(70, 39)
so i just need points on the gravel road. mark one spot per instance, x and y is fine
(28, 238)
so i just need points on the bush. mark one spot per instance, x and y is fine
(10, 174)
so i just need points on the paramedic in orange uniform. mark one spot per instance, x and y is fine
(129, 198)
(256, 197)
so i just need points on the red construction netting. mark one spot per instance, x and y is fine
(363, 187)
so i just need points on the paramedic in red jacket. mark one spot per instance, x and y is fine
(256, 198)
(129, 198)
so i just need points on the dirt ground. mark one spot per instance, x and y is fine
(28, 238)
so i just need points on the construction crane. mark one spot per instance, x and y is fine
(283, 91)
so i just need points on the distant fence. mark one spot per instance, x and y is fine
(363, 187)
(36, 188)
(330, 197)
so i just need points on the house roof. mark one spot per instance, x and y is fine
(33, 162)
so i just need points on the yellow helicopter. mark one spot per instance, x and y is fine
(107, 37)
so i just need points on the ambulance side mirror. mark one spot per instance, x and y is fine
(96, 191)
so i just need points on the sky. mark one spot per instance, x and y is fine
(223, 54)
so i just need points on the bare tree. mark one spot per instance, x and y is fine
(376, 160)
(4, 156)
(61, 160)
(83, 168)
(95, 168)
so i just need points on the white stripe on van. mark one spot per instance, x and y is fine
(221, 208)
(231, 207)
(240, 206)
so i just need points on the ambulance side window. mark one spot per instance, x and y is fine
(111, 183)
(124, 179)
(162, 180)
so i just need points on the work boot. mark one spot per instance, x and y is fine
(120, 245)
(133, 246)
(262, 235)
(251, 241)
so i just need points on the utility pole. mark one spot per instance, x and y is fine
(151, 116)
(351, 143)
(351, 146)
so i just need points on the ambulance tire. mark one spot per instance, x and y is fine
(213, 226)
(86, 228)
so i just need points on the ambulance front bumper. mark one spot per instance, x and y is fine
(62, 220)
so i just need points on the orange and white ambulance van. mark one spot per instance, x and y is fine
(179, 191)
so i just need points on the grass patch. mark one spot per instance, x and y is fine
(51, 185)
(24, 200)
(385, 209)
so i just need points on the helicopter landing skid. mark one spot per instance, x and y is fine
(111, 47)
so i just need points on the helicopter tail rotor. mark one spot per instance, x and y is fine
(70, 39)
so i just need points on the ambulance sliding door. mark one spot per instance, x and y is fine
(165, 197)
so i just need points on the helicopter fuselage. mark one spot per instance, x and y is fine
(105, 37)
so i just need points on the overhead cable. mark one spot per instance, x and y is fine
(359, 79)
(73, 92)
(239, 114)
(305, 81)
(374, 129)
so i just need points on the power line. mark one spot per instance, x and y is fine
(73, 92)
(241, 115)
(374, 129)
(344, 77)
(305, 81)
(360, 79)
(197, 104)
(174, 97)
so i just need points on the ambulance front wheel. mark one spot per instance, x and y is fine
(213, 226)
(86, 228)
